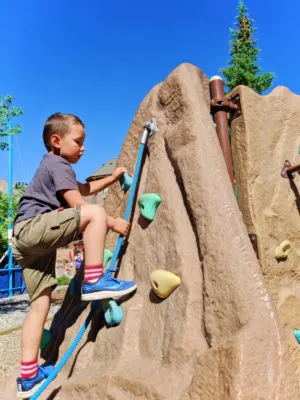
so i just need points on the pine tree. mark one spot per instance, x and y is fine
(243, 68)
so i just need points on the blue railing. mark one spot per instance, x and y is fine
(11, 280)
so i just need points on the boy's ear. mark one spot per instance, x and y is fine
(55, 141)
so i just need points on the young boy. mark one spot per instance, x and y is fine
(51, 214)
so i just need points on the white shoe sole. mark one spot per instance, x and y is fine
(106, 294)
(29, 393)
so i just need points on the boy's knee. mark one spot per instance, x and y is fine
(93, 211)
(42, 303)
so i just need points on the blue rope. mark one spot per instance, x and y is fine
(82, 330)
(67, 354)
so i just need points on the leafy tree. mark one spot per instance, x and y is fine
(18, 191)
(7, 113)
(243, 68)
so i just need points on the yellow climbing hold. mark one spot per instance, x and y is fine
(282, 251)
(164, 282)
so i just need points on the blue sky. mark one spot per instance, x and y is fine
(98, 59)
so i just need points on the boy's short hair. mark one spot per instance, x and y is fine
(58, 124)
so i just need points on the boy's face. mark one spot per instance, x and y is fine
(71, 145)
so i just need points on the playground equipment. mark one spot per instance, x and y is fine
(148, 203)
(112, 311)
(164, 282)
(11, 281)
(220, 106)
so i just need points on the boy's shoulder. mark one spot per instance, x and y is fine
(52, 162)
(54, 159)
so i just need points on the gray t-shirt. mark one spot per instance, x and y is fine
(43, 193)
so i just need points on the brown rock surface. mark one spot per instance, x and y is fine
(264, 137)
(217, 337)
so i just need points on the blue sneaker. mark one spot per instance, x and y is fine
(27, 386)
(106, 287)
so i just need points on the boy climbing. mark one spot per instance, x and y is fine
(51, 214)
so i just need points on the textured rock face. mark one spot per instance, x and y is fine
(217, 337)
(264, 137)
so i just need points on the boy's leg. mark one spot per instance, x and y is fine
(93, 224)
(40, 282)
(33, 326)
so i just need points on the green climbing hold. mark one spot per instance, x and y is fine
(45, 339)
(148, 203)
(107, 256)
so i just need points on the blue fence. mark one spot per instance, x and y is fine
(11, 279)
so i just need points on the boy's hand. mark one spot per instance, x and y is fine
(118, 172)
(119, 225)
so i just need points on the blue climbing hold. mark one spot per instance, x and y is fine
(126, 182)
(297, 335)
(113, 313)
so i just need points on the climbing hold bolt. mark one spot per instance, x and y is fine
(125, 182)
(107, 256)
(148, 203)
(282, 251)
(163, 282)
(46, 337)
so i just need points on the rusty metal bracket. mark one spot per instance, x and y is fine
(288, 170)
(253, 240)
(238, 111)
(222, 103)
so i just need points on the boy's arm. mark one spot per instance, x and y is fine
(89, 188)
(74, 198)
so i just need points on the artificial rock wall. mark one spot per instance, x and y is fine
(264, 137)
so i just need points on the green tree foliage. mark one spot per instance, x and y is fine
(18, 191)
(7, 112)
(243, 68)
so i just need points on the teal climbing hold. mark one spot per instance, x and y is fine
(113, 313)
(45, 339)
(297, 335)
(107, 256)
(148, 203)
(126, 182)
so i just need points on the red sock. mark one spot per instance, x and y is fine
(93, 272)
(29, 369)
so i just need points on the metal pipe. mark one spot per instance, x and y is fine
(10, 193)
(220, 119)
(292, 169)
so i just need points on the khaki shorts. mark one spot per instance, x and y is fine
(35, 242)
